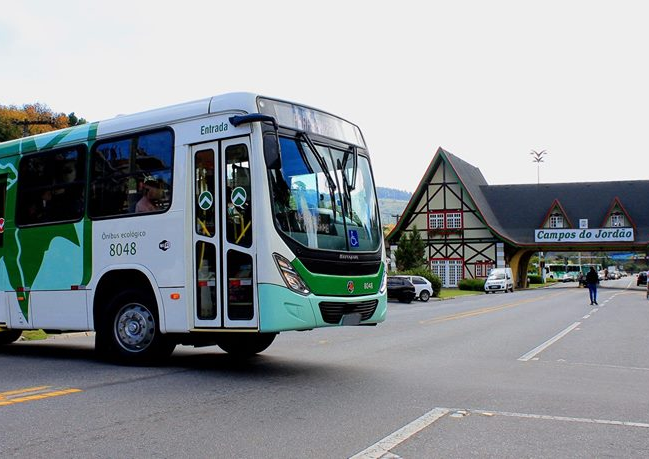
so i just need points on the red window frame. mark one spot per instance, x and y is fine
(445, 217)
(482, 268)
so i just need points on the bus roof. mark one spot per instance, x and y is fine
(240, 101)
(236, 102)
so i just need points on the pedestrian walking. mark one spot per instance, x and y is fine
(592, 279)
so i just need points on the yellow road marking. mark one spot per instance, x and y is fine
(477, 312)
(23, 391)
(29, 394)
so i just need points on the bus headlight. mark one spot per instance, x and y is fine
(384, 281)
(291, 277)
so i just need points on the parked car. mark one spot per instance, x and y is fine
(499, 279)
(423, 287)
(400, 289)
(642, 278)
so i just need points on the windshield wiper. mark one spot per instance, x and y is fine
(325, 170)
(347, 195)
(354, 153)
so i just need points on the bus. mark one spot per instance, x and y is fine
(563, 272)
(555, 271)
(222, 221)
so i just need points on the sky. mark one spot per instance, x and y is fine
(489, 81)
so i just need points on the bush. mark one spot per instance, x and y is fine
(435, 281)
(535, 279)
(471, 284)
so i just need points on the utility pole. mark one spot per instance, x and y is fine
(26, 123)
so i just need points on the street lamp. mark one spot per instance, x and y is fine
(538, 158)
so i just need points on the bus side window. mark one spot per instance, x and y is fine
(131, 175)
(51, 188)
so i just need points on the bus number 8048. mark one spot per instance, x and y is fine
(118, 250)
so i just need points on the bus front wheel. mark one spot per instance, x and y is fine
(245, 344)
(9, 336)
(130, 331)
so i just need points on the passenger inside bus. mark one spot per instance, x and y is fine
(151, 194)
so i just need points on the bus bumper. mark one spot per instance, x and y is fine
(281, 310)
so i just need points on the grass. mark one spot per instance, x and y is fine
(32, 335)
(453, 292)
(537, 285)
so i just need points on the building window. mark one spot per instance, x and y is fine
(454, 220)
(449, 271)
(436, 221)
(451, 220)
(556, 221)
(455, 272)
(482, 268)
(617, 219)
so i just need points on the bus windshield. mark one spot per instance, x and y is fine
(319, 202)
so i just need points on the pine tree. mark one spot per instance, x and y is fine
(410, 251)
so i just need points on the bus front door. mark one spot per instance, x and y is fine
(223, 236)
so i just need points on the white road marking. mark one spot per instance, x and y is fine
(603, 365)
(383, 447)
(563, 418)
(548, 343)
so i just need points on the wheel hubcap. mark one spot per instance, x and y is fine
(134, 327)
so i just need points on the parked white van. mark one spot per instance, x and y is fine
(499, 279)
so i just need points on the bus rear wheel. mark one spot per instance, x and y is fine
(245, 344)
(9, 336)
(130, 331)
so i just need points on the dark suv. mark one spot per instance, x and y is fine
(642, 278)
(400, 289)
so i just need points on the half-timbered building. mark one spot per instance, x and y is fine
(470, 226)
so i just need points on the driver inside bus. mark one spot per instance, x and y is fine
(151, 195)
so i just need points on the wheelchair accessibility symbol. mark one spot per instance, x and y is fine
(353, 238)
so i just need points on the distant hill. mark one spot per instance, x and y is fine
(392, 193)
(391, 202)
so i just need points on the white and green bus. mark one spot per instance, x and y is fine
(222, 221)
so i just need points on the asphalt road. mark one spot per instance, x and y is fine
(537, 373)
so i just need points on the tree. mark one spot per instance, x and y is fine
(73, 120)
(410, 251)
(9, 130)
(31, 119)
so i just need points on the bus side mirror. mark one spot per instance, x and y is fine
(271, 151)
